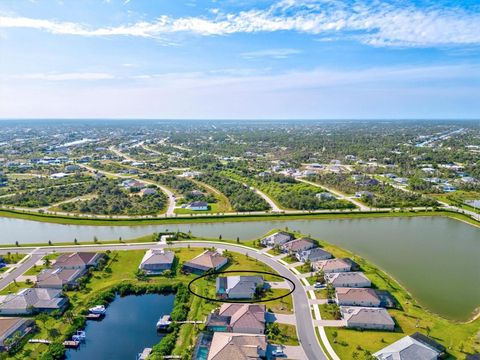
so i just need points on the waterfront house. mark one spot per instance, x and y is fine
(156, 261)
(12, 330)
(298, 245)
(32, 300)
(311, 255)
(198, 206)
(58, 278)
(415, 346)
(279, 238)
(239, 318)
(332, 265)
(357, 297)
(348, 279)
(229, 346)
(367, 318)
(238, 287)
(78, 260)
(208, 260)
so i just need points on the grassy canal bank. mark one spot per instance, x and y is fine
(240, 217)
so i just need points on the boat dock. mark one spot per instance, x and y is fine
(71, 344)
(144, 354)
(93, 316)
(164, 322)
(39, 341)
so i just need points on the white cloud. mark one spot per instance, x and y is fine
(72, 76)
(375, 23)
(273, 53)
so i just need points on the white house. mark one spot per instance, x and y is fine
(198, 206)
(313, 255)
(348, 279)
(279, 238)
(367, 318)
(415, 346)
(156, 261)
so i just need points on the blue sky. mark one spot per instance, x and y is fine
(239, 59)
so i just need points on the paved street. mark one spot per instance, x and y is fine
(19, 270)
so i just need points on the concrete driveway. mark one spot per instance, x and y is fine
(290, 352)
(288, 319)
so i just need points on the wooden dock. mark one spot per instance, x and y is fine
(39, 341)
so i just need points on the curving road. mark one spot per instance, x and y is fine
(168, 192)
(303, 315)
(265, 197)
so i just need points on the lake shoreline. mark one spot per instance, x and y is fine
(70, 220)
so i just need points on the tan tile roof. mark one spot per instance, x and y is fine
(234, 346)
(331, 264)
(8, 323)
(250, 316)
(58, 276)
(209, 259)
(299, 244)
(76, 259)
(356, 294)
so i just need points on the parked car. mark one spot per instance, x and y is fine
(330, 301)
(318, 285)
(278, 353)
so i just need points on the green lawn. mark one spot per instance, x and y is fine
(15, 287)
(35, 269)
(13, 258)
(290, 259)
(327, 311)
(304, 268)
(287, 336)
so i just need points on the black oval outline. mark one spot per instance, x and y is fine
(240, 301)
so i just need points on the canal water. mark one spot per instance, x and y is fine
(128, 328)
(435, 258)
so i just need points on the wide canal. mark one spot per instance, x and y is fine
(128, 328)
(435, 258)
